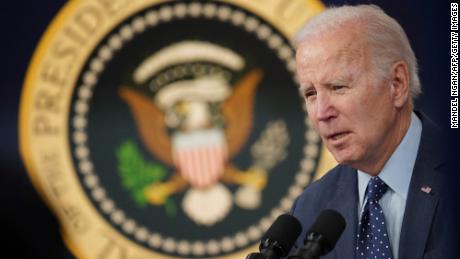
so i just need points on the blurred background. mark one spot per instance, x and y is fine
(27, 226)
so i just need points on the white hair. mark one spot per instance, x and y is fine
(385, 37)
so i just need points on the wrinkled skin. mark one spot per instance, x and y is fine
(360, 116)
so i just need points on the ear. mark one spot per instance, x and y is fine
(399, 83)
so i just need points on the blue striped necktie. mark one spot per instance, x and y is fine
(372, 239)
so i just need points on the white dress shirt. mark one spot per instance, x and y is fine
(396, 173)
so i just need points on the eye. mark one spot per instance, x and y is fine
(337, 87)
(309, 93)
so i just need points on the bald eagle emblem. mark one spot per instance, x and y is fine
(196, 122)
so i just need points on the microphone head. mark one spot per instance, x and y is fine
(282, 234)
(330, 224)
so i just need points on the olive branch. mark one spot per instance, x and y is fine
(136, 174)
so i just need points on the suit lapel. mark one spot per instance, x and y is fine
(345, 201)
(421, 205)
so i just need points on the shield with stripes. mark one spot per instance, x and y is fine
(200, 156)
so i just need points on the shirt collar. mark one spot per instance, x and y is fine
(397, 171)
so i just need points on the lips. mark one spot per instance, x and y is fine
(337, 136)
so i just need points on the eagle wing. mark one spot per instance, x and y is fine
(238, 111)
(150, 124)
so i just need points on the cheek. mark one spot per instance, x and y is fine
(368, 143)
(310, 115)
(363, 116)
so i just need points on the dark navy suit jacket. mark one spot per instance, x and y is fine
(428, 224)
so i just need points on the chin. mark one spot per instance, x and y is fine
(340, 159)
(344, 157)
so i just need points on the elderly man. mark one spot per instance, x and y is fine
(358, 76)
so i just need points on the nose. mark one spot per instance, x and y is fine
(324, 107)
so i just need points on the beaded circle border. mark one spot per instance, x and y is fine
(105, 53)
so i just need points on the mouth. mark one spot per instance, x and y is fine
(337, 137)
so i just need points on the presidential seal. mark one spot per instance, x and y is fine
(168, 129)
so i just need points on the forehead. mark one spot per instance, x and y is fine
(332, 53)
(345, 46)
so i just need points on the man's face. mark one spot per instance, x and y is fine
(352, 110)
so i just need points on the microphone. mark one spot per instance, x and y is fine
(322, 236)
(279, 238)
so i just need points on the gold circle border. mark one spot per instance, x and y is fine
(82, 227)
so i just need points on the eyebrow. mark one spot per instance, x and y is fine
(340, 80)
(303, 88)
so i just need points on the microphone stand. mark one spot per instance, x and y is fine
(313, 248)
(268, 250)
